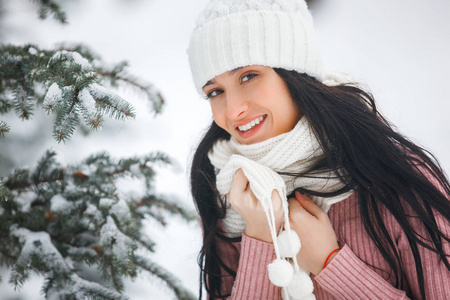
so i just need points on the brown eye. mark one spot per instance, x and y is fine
(213, 93)
(248, 77)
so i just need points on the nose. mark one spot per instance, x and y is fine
(237, 104)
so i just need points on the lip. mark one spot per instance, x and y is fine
(252, 131)
(246, 121)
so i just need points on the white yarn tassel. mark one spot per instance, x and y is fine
(289, 243)
(280, 272)
(301, 286)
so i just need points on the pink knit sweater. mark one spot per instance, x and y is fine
(349, 275)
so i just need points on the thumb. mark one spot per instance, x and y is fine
(309, 205)
(240, 182)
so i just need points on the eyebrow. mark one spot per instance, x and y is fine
(212, 81)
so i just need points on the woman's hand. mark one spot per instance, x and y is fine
(250, 209)
(315, 231)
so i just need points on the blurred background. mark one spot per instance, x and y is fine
(398, 48)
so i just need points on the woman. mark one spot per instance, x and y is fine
(370, 208)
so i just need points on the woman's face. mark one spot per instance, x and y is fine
(251, 103)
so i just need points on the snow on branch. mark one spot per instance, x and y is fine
(57, 219)
(73, 84)
(37, 251)
(111, 103)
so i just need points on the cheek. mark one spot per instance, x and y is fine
(292, 116)
(218, 115)
(286, 113)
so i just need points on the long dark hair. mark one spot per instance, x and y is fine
(386, 169)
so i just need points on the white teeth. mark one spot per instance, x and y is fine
(250, 124)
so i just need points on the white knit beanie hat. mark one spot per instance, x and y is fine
(237, 33)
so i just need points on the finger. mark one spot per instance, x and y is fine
(309, 205)
(295, 208)
(240, 182)
(294, 204)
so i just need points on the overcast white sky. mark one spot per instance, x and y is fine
(399, 48)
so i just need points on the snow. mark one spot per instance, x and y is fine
(59, 204)
(135, 169)
(70, 186)
(68, 90)
(88, 170)
(85, 65)
(87, 223)
(77, 287)
(72, 56)
(13, 59)
(92, 211)
(84, 285)
(111, 237)
(110, 169)
(81, 251)
(25, 199)
(99, 90)
(87, 102)
(39, 244)
(121, 210)
(54, 94)
(106, 203)
(64, 126)
(32, 51)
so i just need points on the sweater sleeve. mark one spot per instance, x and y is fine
(252, 280)
(347, 277)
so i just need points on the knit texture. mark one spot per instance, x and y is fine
(295, 151)
(350, 274)
(237, 33)
(218, 8)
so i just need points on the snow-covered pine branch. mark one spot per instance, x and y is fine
(63, 221)
(56, 220)
(73, 84)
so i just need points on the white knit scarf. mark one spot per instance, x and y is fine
(295, 151)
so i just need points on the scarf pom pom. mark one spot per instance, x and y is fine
(301, 286)
(280, 272)
(289, 243)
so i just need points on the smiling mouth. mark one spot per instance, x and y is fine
(250, 124)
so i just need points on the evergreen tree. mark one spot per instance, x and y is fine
(57, 219)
